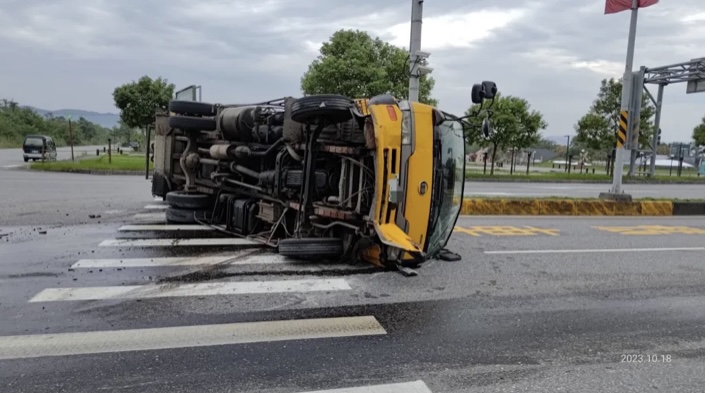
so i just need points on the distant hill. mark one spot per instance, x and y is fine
(108, 120)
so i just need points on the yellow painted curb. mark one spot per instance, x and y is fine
(564, 207)
(558, 207)
(595, 208)
(627, 208)
(656, 208)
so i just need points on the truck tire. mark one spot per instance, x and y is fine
(192, 108)
(293, 131)
(188, 200)
(175, 215)
(187, 123)
(326, 247)
(332, 108)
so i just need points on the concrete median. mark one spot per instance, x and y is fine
(578, 207)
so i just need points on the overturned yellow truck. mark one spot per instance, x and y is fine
(321, 177)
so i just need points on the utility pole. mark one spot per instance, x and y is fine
(656, 129)
(147, 150)
(415, 47)
(71, 139)
(567, 153)
(622, 134)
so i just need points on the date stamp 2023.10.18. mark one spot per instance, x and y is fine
(650, 358)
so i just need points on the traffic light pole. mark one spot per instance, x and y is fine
(622, 131)
(656, 129)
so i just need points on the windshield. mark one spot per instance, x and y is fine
(34, 142)
(449, 182)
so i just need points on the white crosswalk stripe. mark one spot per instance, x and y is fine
(179, 242)
(261, 259)
(62, 344)
(184, 290)
(156, 207)
(406, 387)
(150, 217)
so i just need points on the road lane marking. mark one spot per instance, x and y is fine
(150, 217)
(499, 230)
(163, 227)
(406, 387)
(179, 242)
(652, 230)
(156, 207)
(265, 259)
(183, 290)
(64, 344)
(665, 249)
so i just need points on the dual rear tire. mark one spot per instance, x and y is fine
(187, 207)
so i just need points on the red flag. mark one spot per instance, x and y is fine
(614, 6)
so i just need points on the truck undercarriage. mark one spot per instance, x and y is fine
(316, 177)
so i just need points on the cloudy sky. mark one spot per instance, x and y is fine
(72, 53)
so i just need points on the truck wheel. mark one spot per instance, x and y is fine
(175, 215)
(188, 200)
(26, 159)
(186, 123)
(332, 108)
(192, 108)
(311, 247)
(293, 131)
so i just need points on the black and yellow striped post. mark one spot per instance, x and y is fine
(623, 127)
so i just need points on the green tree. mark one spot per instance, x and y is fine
(663, 149)
(355, 65)
(548, 144)
(597, 129)
(123, 133)
(699, 133)
(512, 122)
(85, 130)
(16, 122)
(139, 101)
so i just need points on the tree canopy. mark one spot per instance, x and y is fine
(597, 129)
(699, 133)
(513, 124)
(548, 144)
(138, 101)
(16, 122)
(355, 65)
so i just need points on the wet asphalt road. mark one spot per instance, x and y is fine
(511, 316)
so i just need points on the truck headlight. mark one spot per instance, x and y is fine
(406, 128)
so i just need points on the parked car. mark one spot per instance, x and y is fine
(322, 176)
(38, 147)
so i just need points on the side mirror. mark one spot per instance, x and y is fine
(490, 89)
(477, 94)
(486, 128)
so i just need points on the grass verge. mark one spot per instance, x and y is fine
(98, 164)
